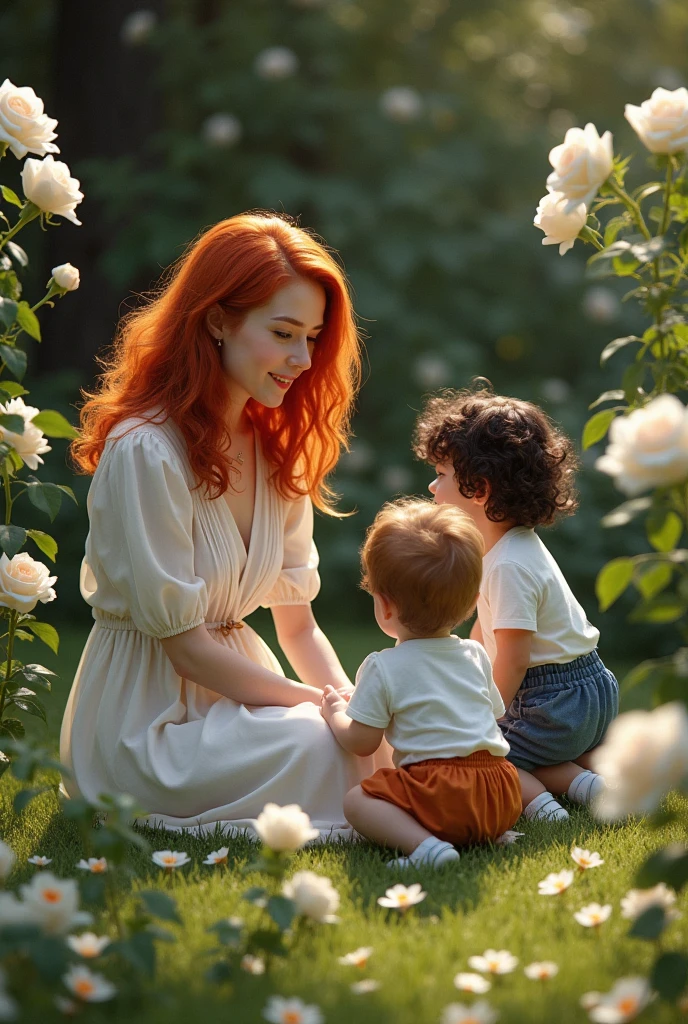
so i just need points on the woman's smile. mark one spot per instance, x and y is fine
(282, 382)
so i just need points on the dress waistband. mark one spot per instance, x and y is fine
(107, 621)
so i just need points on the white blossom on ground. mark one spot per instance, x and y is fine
(475, 983)
(401, 897)
(221, 130)
(494, 961)
(555, 883)
(661, 123)
(541, 970)
(585, 859)
(582, 163)
(7, 855)
(593, 915)
(279, 1010)
(53, 903)
(96, 865)
(88, 944)
(276, 62)
(623, 1003)
(642, 758)
(401, 103)
(218, 856)
(30, 444)
(560, 221)
(24, 126)
(284, 828)
(637, 901)
(313, 895)
(509, 837)
(479, 1013)
(365, 985)
(39, 861)
(49, 185)
(88, 986)
(359, 957)
(170, 859)
(648, 448)
(137, 27)
(66, 276)
(252, 964)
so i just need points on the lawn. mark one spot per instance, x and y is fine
(489, 899)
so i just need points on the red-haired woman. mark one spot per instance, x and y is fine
(218, 419)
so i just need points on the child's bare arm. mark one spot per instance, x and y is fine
(355, 737)
(512, 660)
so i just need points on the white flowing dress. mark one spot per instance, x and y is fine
(162, 558)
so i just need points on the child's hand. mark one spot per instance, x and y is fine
(331, 702)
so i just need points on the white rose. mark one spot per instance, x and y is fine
(24, 582)
(401, 103)
(276, 62)
(284, 828)
(313, 895)
(23, 125)
(661, 122)
(560, 222)
(649, 447)
(637, 901)
(581, 164)
(48, 184)
(30, 445)
(66, 276)
(222, 130)
(7, 859)
(643, 757)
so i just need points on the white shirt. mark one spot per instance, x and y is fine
(524, 588)
(433, 697)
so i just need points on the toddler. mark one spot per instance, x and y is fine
(504, 462)
(432, 695)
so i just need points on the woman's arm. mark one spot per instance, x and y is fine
(512, 660)
(196, 656)
(477, 631)
(355, 737)
(307, 648)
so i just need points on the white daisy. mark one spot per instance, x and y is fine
(97, 865)
(291, 1011)
(494, 961)
(88, 986)
(40, 862)
(555, 883)
(623, 1003)
(479, 1013)
(170, 859)
(593, 915)
(585, 859)
(472, 983)
(541, 971)
(637, 901)
(359, 957)
(401, 897)
(217, 856)
(360, 988)
(87, 944)
(252, 964)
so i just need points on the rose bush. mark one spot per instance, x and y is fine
(24, 126)
(649, 447)
(24, 582)
(49, 185)
(661, 122)
(581, 164)
(561, 223)
(31, 443)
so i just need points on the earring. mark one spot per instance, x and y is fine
(219, 342)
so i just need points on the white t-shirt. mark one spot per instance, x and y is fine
(433, 698)
(524, 588)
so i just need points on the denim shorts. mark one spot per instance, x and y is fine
(560, 712)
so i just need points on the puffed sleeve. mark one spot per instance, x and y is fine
(141, 517)
(370, 703)
(298, 581)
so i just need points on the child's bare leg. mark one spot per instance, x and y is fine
(538, 802)
(383, 822)
(557, 777)
(572, 778)
(585, 760)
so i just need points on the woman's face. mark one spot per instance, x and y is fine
(274, 345)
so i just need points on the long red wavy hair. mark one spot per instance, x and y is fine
(164, 357)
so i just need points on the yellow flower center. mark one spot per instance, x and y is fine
(52, 895)
(627, 1005)
(170, 860)
(98, 867)
(292, 1017)
(84, 988)
(402, 899)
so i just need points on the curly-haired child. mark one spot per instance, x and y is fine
(432, 695)
(507, 465)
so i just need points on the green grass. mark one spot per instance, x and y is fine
(489, 899)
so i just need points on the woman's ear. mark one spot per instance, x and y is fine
(214, 320)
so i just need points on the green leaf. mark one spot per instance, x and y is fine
(613, 227)
(668, 865)
(632, 380)
(218, 973)
(139, 951)
(12, 389)
(50, 955)
(28, 321)
(650, 924)
(669, 975)
(21, 634)
(607, 396)
(13, 422)
(17, 254)
(255, 894)
(14, 358)
(54, 424)
(47, 633)
(617, 344)
(29, 707)
(37, 675)
(282, 911)
(68, 491)
(654, 580)
(612, 580)
(645, 252)
(597, 426)
(46, 497)
(12, 539)
(662, 609)
(8, 311)
(623, 513)
(265, 941)
(12, 727)
(664, 529)
(159, 904)
(640, 674)
(11, 197)
(228, 934)
(44, 542)
(25, 796)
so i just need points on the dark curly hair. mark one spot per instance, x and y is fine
(510, 445)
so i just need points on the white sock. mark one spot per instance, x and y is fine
(432, 852)
(545, 808)
(585, 788)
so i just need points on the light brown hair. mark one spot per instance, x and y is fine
(427, 559)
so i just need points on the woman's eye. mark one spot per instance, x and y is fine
(282, 334)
